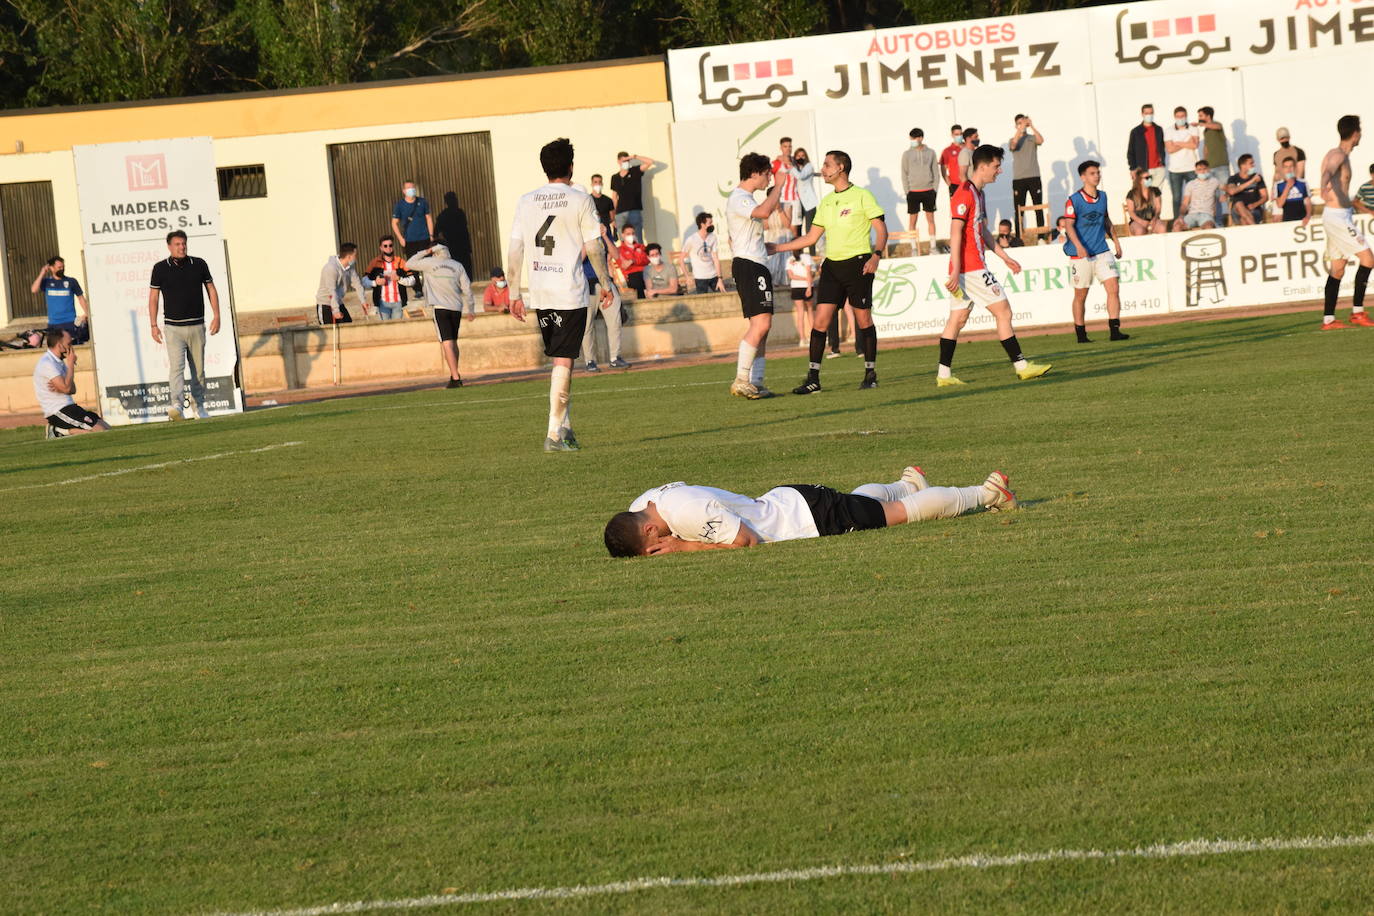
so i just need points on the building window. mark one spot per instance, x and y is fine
(239, 182)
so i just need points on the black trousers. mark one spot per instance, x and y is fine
(1021, 188)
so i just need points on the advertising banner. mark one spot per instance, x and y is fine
(131, 195)
(910, 299)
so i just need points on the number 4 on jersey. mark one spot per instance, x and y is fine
(543, 240)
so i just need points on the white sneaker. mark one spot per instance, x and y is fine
(998, 488)
(743, 389)
(916, 477)
(174, 414)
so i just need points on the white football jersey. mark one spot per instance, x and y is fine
(553, 223)
(746, 232)
(714, 516)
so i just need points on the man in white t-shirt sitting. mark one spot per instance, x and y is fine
(679, 517)
(54, 383)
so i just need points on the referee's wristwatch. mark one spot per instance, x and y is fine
(877, 253)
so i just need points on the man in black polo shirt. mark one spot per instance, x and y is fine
(180, 279)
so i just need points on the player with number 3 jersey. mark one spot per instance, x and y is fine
(557, 225)
(744, 217)
(970, 279)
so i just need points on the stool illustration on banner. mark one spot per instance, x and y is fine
(1204, 273)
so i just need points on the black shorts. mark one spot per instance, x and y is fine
(840, 513)
(916, 201)
(799, 294)
(326, 315)
(754, 284)
(846, 280)
(562, 330)
(447, 322)
(74, 417)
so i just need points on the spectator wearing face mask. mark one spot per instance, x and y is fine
(1287, 150)
(1144, 204)
(949, 159)
(1145, 150)
(1181, 143)
(801, 279)
(413, 225)
(497, 296)
(1292, 194)
(701, 254)
(633, 259)
(627, 190)
(605, 207)
(1005, 238)
(1247, 193)
(806, 187)
(1200, 199)
(660, 279)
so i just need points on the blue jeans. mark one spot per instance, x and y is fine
(1176, 182)
(390, 311)
(706, 286)
(1221, 174)
(634, 218)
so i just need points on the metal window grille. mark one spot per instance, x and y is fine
(240, 182)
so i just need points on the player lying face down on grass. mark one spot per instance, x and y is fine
(679, 517)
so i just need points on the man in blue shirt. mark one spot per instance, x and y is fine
(1291, 193)
(65, 299)
(1088, 226)
(413, 226)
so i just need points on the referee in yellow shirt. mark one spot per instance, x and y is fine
(846, 217)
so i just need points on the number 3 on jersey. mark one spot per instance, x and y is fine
(543, 239)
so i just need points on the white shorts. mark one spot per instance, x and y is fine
(1102, 267)
(1343, 240)
(977, 287)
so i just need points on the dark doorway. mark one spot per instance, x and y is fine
(29, 231)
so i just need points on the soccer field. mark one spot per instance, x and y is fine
(373, 649)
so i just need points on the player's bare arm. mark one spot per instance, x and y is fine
(673, 544)
(956, 254)
(152, 314)
(515, 263)
(1335, 186)
(879, 244)
(770, 203)
(797, 244)
(991, 243)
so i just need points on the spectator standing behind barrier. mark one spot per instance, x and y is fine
(971, 143)
(611, 312)
(64, 299)
(633, 259)
(660, 279)
(627, 191)
(920, 176)
(1143, 205)
(183, 282)
(390, 281)
(806, 188)
(1247, 193)
(451, 228)
(605, 207)
(497, 295)
(412, 224)
(701, 252)
(949, 159)
(801, 279)
(1181, 143)
(54, 383)
(1006, 238)
(1287, 150)
(1025, 170)
(1292, 195)
(785, 173)
(338, 274)
(450, 295)
(1214, 150)
(1145, 148)
(1200, 199)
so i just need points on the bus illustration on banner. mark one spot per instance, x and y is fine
(1150, 42)
(752, 75)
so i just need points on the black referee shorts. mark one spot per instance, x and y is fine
(846, 280)
(840, 513)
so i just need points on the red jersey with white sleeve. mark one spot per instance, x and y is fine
(789, 180)
(968, 205)
(949, 158)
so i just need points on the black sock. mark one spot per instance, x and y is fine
(1114, 325)
(1333, 290)
(947, 352)
(832, 334)
(1013, 348)
(1082, 331)
(816, 348)
(870, 345)
(1361, 281)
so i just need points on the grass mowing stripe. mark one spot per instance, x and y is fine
(1159, 851)
(149, 467)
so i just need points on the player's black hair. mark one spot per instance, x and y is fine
(751, 164)
(53, 336)
(1244, 159)
(623, 535)
(989, 152)
(841, 159)
(1347, 126)
(385, 238)
(703, 216)
(557, 158)
(652, 247)
(1088, 164)
(916, 133)
(175, 234)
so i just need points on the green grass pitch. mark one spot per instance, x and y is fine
(394, 659)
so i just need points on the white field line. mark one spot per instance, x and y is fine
(150, 467)
(1160, 851)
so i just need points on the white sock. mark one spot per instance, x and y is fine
(887, 492)
(944, 371)
(1327, 319)
(560, 380)
(746, 360)
(756, 371)
(1020, 364)
(1356, 309)
(943, 502)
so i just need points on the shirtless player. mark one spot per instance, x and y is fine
(1343, 240)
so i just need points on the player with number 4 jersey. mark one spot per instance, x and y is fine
(970, 280)
(558, 227)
